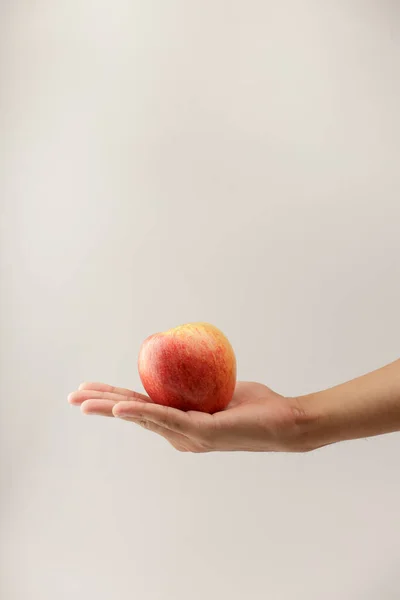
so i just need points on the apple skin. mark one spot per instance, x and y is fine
(190, 367)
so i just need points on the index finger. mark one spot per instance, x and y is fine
(104, 387)
(189, 423)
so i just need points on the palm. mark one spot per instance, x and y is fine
(247, 392)
(255, 398)
(253, 415)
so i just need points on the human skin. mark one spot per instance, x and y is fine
(258, 419)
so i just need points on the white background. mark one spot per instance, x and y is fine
(164, 162)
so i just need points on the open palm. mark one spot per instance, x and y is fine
(257, 419)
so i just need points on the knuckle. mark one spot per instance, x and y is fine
(181, 449)
(207, 447)
(207, 437)
(205, 442)
(200, 449)
(170, 421)
(163, 422)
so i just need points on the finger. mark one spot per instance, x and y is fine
(104, 387)
(76, 398)
(104, 408)
(179, 441)
(98, 407)
(173, 419)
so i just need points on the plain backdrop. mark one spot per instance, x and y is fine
(163, 162)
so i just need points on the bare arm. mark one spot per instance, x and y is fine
(364, 407)
(258, 419)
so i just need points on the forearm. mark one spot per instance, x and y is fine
(364, 407)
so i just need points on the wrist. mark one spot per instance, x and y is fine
(313, 427)
(363, 407)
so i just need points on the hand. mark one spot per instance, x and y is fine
(257, 419)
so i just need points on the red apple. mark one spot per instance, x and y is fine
(190, 367)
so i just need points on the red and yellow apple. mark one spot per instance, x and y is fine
(190, 367)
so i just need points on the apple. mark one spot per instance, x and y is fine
(190, 367)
